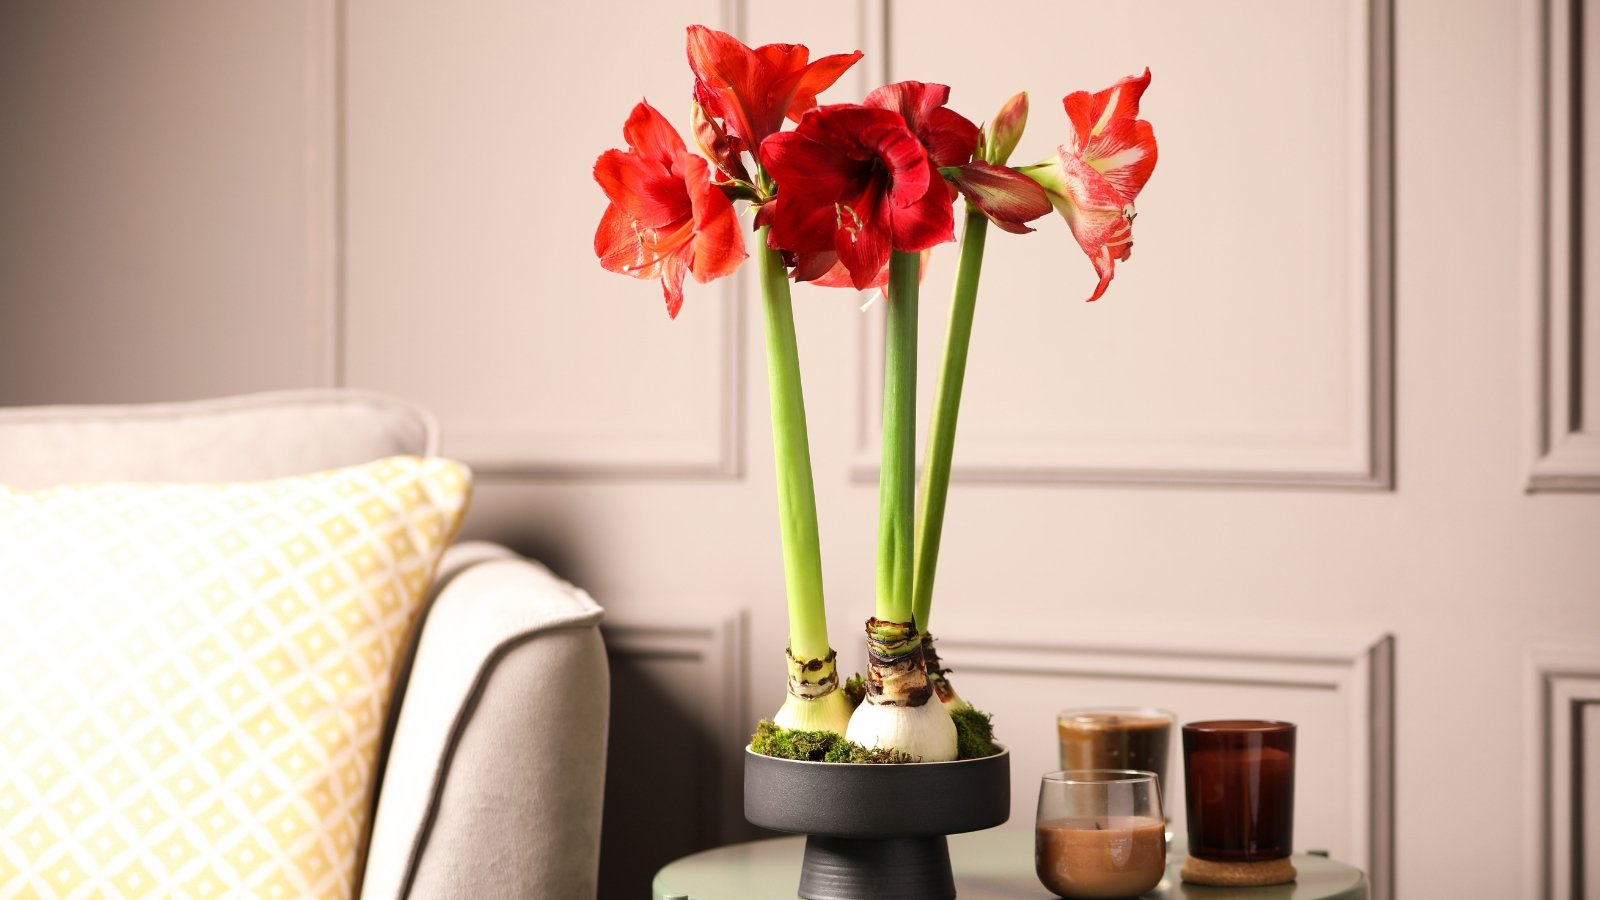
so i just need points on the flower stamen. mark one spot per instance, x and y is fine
(854, 227)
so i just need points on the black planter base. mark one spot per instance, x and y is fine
(859, 847)
(901, 868)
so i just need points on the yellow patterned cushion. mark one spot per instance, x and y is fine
(194, 678)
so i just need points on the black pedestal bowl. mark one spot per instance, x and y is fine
(877, 832)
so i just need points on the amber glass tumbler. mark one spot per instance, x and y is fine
(1239, 780)
(1100, 833)
(1112, 737)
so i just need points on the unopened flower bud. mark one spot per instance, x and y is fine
(1006, 129)
(715, 144)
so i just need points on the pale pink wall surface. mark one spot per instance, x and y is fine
(1219, 489)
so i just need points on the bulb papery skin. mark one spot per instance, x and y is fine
(814, 701)
(938, 675)
(897, 714)
(946, 692)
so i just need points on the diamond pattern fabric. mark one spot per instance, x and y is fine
(194, 678)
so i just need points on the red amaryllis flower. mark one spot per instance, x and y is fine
(666, 218)
(1006, 197)
(753, 90)
(856, 181)
(946, 135)
(1093, 180)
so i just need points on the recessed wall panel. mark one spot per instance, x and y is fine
(471, 282)
(1247, 338)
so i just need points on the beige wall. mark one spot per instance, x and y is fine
(1283, 469)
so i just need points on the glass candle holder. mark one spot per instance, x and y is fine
(1099, 833)
(1239, 785)
(1111, 737)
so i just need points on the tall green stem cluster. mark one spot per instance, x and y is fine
(791, 449)
(946, 407)
(896, 488)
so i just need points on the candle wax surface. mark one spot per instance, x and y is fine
(1100, 857)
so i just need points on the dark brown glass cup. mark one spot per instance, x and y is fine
(1239, 780)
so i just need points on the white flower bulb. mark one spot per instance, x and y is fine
(926, 733)
(900, 711)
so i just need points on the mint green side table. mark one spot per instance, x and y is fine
(989, 865)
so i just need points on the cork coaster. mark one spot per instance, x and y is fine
(1238, 874)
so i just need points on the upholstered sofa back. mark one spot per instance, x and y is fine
(258, 436)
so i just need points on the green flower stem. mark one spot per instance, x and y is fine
(896, 485)
(791, 450)
(946, 407)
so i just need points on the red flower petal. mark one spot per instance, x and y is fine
(650, 194)
(821, 267)
(1125, 153)
(672, 272)
(929, 221)
(948, 136)
(824, 270)
(813, 80)
(652, 137)
(1005, 195)
(726, 74)
(1098, 217)
(752, 91)
(1091, 114)
(861, 242)
(617, 244)
(718, 245)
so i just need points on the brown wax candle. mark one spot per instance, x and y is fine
(1100, 856)
(1115, 739)
(1239, 784)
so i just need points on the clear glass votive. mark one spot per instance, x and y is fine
(1116, 737)
(1099, 833)
(1239, 785)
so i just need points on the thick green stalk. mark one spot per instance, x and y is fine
(791, 450)
(946, 407)
(896, 485)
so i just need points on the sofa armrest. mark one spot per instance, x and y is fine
(495, 773)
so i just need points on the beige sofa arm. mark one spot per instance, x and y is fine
(495, 773)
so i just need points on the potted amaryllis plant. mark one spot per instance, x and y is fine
(855, 196)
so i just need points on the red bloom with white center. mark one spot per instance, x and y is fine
(752, 90)
(854, 180)
(1093, 181)
(666, 218)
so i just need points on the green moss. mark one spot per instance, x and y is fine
(817, 746)
(974, 733)
(855, 689)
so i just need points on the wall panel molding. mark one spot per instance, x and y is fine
(1357, 668)
(714, 647)
(719, 455)
(459, 288)
(324, 160)
(1360, 456)
(1566, 454)
(1562, 698)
